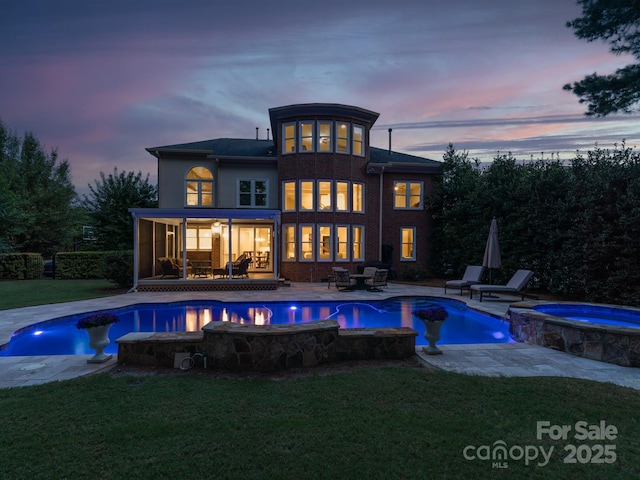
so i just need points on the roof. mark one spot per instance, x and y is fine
(380, 158)
(222, 147)
(238, 148)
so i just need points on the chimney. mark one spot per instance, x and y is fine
(268, 133)
(390, 141)
(256, 133)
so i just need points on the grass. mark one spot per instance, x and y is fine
(26, 293)
(385, 423)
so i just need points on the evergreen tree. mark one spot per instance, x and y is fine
(616, 22)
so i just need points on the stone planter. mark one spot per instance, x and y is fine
(99, 340)
(432, 334)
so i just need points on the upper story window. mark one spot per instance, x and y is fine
(289, 138)
(358, 140)
(252, 192)
(342, 137)
(306, 136)
(199, 187)
(324, 136)
(407, 195)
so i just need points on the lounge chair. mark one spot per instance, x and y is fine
(343, 280)
(515, 286)
(471, 276)
(378, 280)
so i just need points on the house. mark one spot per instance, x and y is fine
(315, 196)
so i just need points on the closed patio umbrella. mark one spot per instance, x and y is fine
(491, 258)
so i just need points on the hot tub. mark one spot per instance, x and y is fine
(607, 333)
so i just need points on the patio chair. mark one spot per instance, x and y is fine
(378, 280)
(332, 276)
(241, 269)
(515, 286)
(172, 267)
(344, 281)
(471, 276)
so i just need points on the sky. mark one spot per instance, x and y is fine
(101, 80)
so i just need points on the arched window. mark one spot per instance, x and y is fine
(199, 187)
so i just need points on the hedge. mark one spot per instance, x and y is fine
(21, 266)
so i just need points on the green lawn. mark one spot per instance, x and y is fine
(385, 423)
(26, 293)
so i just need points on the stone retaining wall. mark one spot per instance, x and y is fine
(619, 345)
(268, 348)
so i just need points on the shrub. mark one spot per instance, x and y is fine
(119, 267)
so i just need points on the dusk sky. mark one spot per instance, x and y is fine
(100, 80)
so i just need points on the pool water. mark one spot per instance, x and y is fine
(593, 314)
(61, 337)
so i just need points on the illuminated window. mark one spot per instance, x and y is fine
(358, 140)
(199, 187)
(357, 201)
(408, 243)
(289, 240)
(342, 243)
(199, 237)
(358, 243)
(306, 195)
(306, 136)
(288, 138)
(407, 195)
(289, 196)
(252, 193)
(306, 242)
(325, 143)
(342, 196)
(342, 137)
(324, 243)
(324, 195)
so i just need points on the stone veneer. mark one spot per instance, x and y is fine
(611, 344)
(268, 348)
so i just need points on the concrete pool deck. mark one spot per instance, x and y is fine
(515, 359)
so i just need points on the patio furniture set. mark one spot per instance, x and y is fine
(371, 278)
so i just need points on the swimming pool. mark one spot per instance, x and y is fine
(61, 337)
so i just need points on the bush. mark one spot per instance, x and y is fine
(119, 267)
(21, 266)
(115, 266)
(415, 273)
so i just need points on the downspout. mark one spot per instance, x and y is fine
(380, 215)
(135, 254)
(184, 248)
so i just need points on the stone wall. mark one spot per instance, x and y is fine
(268, 348)
(619, 345)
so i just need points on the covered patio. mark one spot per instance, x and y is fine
(205, 249)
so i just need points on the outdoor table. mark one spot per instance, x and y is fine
(360, 278)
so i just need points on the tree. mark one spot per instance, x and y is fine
(616, 22)
(108, 206)
(39, 195)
